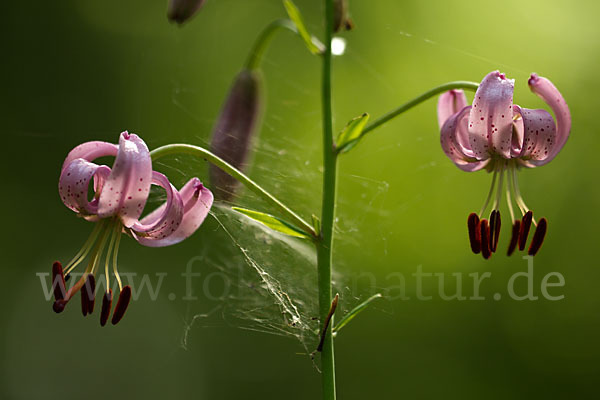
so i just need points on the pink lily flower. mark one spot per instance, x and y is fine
(495, 134)
(120, 195)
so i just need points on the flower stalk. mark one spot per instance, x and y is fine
(325, 242)
(238, 175)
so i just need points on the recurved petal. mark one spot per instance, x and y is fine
(90, 151)
(450, 143)
(127, 188)
(163, 221)
(490, 120)
(539, 135)
(197, 201)
(550, 94)
(450, 103)
(74, 182)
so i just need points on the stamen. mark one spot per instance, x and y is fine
(489, 196)
(122, 304)
(499, 189)
(538, 237)
(524, 232)
(111, 245)
(99, 249)
(509, 183)
(58, 281)
(106, 306)
(88, 295)
(514, 239)
(85, 250)
(474, 233)
(59, 305)
(115, 253)
(485, 238)
(518, 197)
(495, 223)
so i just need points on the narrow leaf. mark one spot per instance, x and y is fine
(351, 134)
(348, 317)
(273, 222)
(314, 46)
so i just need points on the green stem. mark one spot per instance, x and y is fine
(324, 245)
(237, 174)
(262, 41)
(417, 100)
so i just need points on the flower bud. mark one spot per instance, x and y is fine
(341, 16)
(234, 131)
(181, 10)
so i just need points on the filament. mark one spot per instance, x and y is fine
(85, 250)
(115, 252)
(489, 196)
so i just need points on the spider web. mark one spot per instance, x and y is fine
(272, 277)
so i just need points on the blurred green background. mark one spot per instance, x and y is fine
(75, 71)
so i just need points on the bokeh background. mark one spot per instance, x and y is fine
(74, 71)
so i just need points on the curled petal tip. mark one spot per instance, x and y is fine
(533, 79)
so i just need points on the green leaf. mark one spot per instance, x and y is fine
(348, 317)
(273, 222)
(351, 134)
(313, 45)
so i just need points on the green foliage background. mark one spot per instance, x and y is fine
(74, 71)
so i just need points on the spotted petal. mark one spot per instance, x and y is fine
(451, 143)
(74, 182)
(450, 103)
(490, 120)
(197, 201)
(163, 221)
(126, 189)
(550, 94)
(539, 135)
(90, 151)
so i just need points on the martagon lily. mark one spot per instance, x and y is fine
(495, 134)
(120, 195)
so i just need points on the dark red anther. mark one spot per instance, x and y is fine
(122, 304)
(106, 306)
(474, 234)
(484, 229)
(58, 281)
(538, 237)
(514, 238)
(59, 306)
(88, 295)
(495, 224)
(524, 232)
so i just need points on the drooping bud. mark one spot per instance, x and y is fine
(341, 16)
(474, 232)
(182, 10)
(122, 304)
(235, 129)
(538, 237)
